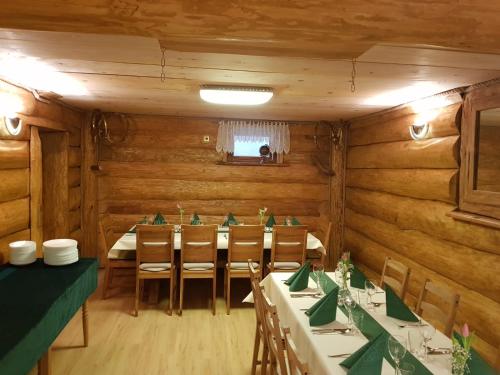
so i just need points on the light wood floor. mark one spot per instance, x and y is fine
(155, 343)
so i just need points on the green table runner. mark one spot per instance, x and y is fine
(36, 303)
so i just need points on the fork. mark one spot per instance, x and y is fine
(339, 355)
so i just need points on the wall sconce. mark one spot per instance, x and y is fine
(419, 130)
(14, 125)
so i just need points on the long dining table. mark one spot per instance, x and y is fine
(125, 247)
(316, 348)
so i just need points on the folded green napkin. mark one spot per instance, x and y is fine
(159, 219)
(143, 221)
(295, 221)
(397, 308)
(230, 220)
(270, 222)
(367, 359)
(300, 279)
(358, 278)
(476, 364)
(195, 220)
(325, 310)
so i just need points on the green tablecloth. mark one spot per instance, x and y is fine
(36, 303)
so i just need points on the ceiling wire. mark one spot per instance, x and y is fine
(353, 76)
(163, 63)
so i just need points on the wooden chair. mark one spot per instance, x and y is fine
(155, 258)
(274, 337)
(288, 249)
(198, 257)
(434, 312)
(295, 366)
(391, 268)
(259, 328)
(245, 242)
(114, 260)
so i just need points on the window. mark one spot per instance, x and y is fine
(249, 148)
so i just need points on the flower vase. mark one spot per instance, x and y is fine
(343, 292)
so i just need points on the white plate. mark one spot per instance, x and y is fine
(22, 262)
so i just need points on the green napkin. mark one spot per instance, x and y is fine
(300, 279)
(476, 364)
(195, 220)
(295, 221)
(397, 308)
(230, 220)
(325, 310)
(159, 219)
(368, 359)
(143, 221)
(270, 222)
(358, 278)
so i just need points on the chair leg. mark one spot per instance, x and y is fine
(105, 281)
(181, 295)
(137, 294)
(214, 291)
(256, 347)
(170, 302)
(228, 294)
(265, 359)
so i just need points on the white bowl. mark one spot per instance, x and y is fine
(22, 252)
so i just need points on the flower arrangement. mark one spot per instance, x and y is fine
(181, 211)
(345, 266)
(461, 351)
(262, 213)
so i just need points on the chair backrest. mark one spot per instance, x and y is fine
(256, 293)
(439, 305)
(155, 243)
(245, 241)
(198, 243)
(328, 236)
(289, 243)
(295, 365)
(107, 230)
(391, 270)
(272, 330)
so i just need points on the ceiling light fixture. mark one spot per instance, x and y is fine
(236, 95)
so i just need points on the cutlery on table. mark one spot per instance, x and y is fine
(299, 295)
(377, 304)
(325, 331)
(339, 355)
(438, 350)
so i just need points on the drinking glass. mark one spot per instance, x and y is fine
(397, 350)
(350, 304)
(370, 290)
(318, 271)
(427, 332)
(406, 369)
(416, 343)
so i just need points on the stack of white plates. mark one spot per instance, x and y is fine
(22, 252)
(60, 252)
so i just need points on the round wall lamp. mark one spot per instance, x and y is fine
(419, 131)
(14, 125)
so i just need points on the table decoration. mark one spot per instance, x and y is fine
(181, 212)
(299, 280)
(325, 310)
(262, 213)
(397, 308)
(159, 219)
(344, 268)
(195, 219)
(368, 359)
(270, 221)
(461, 351)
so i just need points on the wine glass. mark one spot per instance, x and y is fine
(397, 350)
(427, 332)
(370, 290)
(406, 369)
(318, 271)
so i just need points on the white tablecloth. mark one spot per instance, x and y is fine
(314, 349)
(127, 242)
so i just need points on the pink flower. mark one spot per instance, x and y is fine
(179, 206)
(465, 330)
(345, 256)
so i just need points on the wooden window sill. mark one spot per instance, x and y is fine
(474, 218)
(251, 164)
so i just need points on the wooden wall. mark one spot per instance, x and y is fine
(164, 161)
(398, 194)
(20, 168)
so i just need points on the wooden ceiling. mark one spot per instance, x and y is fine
(303, 49)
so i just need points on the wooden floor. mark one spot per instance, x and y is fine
(155, 343)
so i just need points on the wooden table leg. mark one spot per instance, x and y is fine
(44, 364)
(85, 321)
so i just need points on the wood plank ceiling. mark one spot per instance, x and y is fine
(106, 54)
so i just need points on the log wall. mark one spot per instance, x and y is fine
(397, 196)
(20, 168)
(164, 161)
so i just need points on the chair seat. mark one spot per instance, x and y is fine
(285, 265)
(121, 254)
(155, 267)
(242, 265)
(198, 266)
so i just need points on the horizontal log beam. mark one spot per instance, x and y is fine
(6, 240)
(14, 154)
(428, 153)
(423, 215)
(432, 184)
(14, 216)
(14, 184)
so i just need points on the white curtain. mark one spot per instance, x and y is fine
(276, 133)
